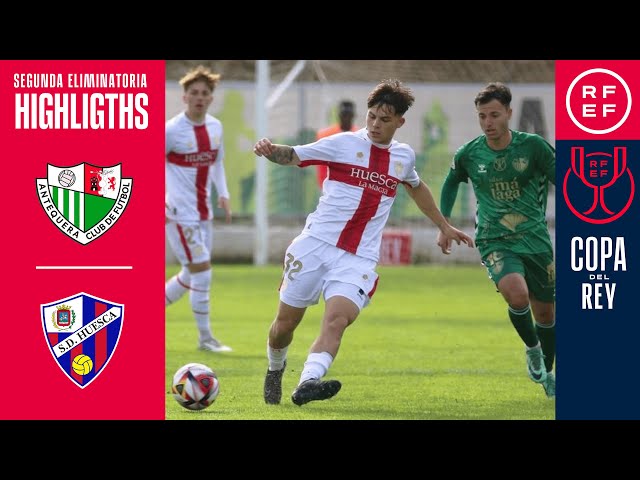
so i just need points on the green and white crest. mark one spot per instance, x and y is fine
(84, 201)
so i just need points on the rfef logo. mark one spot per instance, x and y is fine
(598, 101)
(82, 332)
(598, 173)
(84, 201)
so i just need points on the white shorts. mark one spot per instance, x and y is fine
(190, 241)
(312, 266)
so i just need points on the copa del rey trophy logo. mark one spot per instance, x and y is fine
(598, 187)
(84, 201)
(82, 332)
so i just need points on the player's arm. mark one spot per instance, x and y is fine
(456, 174)
(168, 140)
(280, 154)
(549, 160)
(423, 198)
(447, 201)
(449, 193)
(219, 178)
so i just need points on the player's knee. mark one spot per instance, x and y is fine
(516, 298)
(283, 325)
(201, 282)
(199, 267)
(544, 315)
(514, 290)
(337, 322)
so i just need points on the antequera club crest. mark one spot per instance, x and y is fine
(82, 332)
(84, 201)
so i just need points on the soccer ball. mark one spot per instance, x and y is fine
(67, 178)
(195, 386)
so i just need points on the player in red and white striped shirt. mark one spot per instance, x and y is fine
(337, 252)
(194, 163)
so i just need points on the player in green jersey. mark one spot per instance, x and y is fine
(510, 172)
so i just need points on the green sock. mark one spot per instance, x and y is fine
(523, 324)
(547, 336)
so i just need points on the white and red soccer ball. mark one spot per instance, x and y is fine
(195, 386)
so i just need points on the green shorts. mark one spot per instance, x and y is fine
(538, 270)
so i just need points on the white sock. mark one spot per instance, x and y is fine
(276, 357)
(199, 296)
(316, 366)
(176, 286)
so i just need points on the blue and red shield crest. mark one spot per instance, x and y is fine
(82, 332)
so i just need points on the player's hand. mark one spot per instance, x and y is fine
(451, 234)
(263, 147)
(444, 243)
(223, 203)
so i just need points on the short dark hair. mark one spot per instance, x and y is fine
(391, 92)
(494, 91)
(347, 106)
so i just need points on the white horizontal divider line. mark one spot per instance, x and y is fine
(84, 267)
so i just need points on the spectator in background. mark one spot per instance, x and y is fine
(510, 172)
(194, 163)
(337, 252)
(346, 114)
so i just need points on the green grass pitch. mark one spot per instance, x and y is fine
(435, 343)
